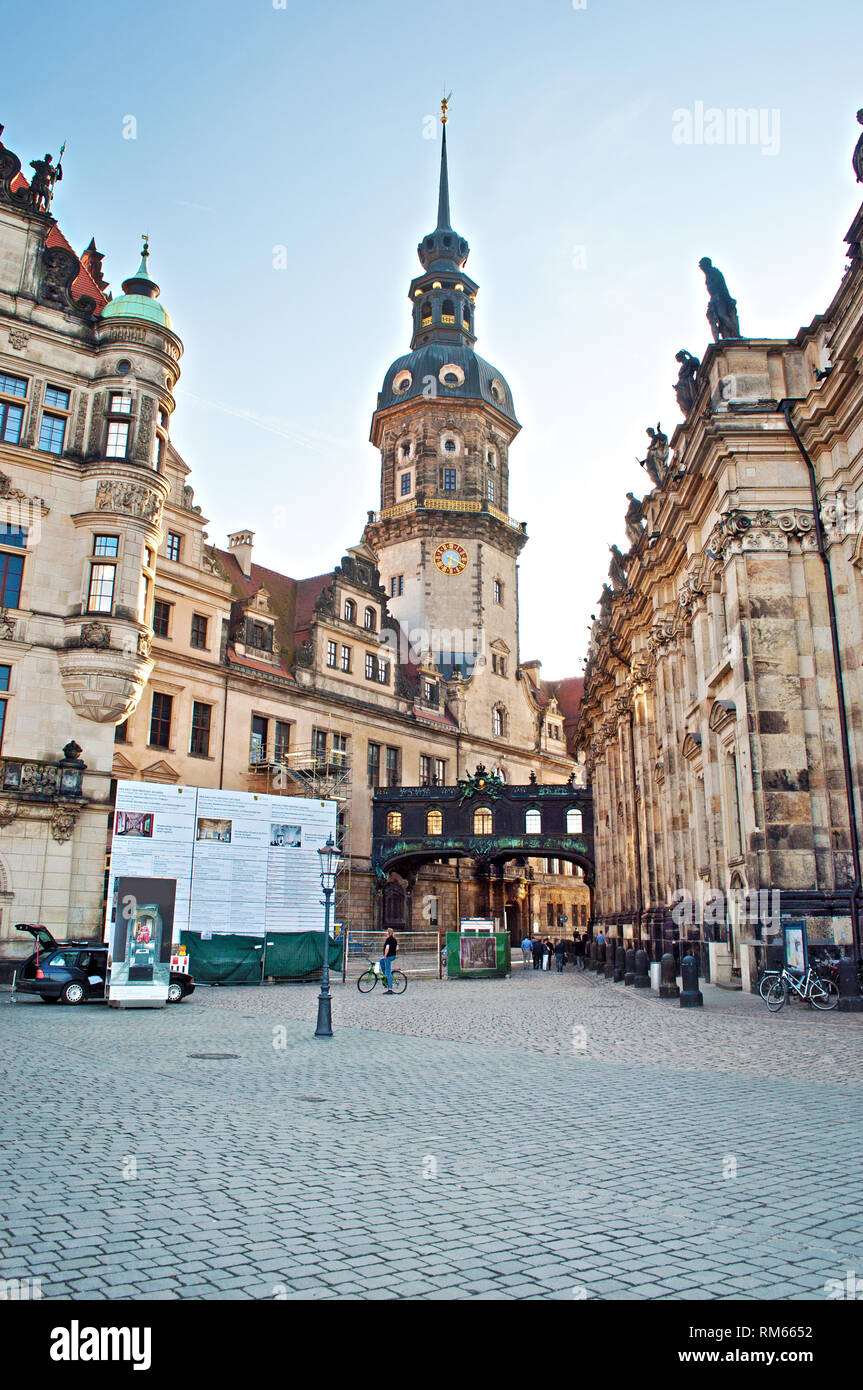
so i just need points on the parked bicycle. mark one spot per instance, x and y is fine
(821, 994)
(766, 979)
(375, 975)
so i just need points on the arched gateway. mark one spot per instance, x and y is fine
(487, 822)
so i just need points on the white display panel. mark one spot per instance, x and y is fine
(244, 862)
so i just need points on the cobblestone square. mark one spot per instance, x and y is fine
(452, 1142)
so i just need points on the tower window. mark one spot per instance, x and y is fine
(350, 611)
(497, 591)
(426, 315)
(405, 484)
(449, 446)
(450, 379)
(498, 721)
(489, 489)
(397, 585)
(448, 312)
(406, 449)
(370, 622)
(449, 480)
(482, 821)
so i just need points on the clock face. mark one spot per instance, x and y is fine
(451, 558)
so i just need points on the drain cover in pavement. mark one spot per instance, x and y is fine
(215, 1056)
(317, 1100)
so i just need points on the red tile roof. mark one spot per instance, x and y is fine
(83, 285)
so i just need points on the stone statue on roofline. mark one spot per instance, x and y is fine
(46, 174)
(686, 386)
(858, 153)
(721, 308)
(656, 461)
(634, 520)
(617, 569)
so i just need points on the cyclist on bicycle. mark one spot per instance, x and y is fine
(391, 948)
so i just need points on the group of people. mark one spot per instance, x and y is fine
(541, 950)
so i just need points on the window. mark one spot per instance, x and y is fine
(158, 456)
(332, 654)
(346, 659)
(374, 764)
(5, 675)
(12, 385)
(449, 446)
(199, 746)
(161, 618)
(426, 314)
(430, 693)
(340, 750)
(52, 433)
(406, 449)
(121, 732)
(11, 420)
(489, 489)
(319, 745)
(448, 312)
(394, 767)
(498, 664)
(106, 546)
(405, 484)
(498, 721)
(13, 535)
(198, 636)
(369, 621)
(172, 550)
(160, 720)
(397, 586)
(101, 595)
(533, 822)
(439, 772)
(120, 403)
(482, 821)
(11, 572)
(118, 439)
(425, 770)
(573, 821)
(449, 480)
(394, 823)
(549, 914)
(434, 823)
(259, 635)
(383, 672)
(282, 741)
(259, 740)
(57, 398)
(350, 611)
(497, 591)
(371, 663)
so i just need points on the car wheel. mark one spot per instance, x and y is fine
(50, 998)
(175, 992)
(73, 993)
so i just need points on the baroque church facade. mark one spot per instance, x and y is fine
(133, 648)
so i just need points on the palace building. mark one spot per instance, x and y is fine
(722, 719)
(133, 648)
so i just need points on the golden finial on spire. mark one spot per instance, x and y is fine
(145, 249)
(443, 108)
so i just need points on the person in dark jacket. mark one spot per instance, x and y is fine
(578, 951)
(536, 949)
(559, 955)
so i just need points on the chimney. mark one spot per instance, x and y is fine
(240, 544)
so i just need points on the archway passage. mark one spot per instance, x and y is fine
(489, 823)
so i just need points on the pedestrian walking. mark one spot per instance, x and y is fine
(547, 950)
(560, 956)
(526, 950)
(536, 950)
(578, 950)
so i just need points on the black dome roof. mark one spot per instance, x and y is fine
(481, 381)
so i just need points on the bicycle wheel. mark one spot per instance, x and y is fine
(367, 982)
(825, 994)
(768, 979)
(777, 995)
(400, 982)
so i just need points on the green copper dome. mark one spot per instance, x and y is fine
(139, 299)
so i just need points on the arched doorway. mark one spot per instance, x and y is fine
(512, 915)
(393, 906)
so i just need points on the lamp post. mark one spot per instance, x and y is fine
(330, 856)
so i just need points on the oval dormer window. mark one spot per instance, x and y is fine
(497, 392)
(402, 382)
(451, 374)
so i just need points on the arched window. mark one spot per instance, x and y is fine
(449, 446)
(350, 611)
(573, 821)
(448, 312)
(434, 823)
(370, 620)
(533, 822)
(498, 721)
(394, 823)
(482, 821)
(465, 317)
(426, 314)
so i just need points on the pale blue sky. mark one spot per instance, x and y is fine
(303, 127)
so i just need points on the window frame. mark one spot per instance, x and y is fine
(162, 604)
(160, 719)
(201, 727)
(97, 587)
(199, 618)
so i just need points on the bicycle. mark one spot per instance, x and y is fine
(375, 975)
(766, 979)
(822, 994)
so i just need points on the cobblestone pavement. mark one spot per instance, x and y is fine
(460, 1141)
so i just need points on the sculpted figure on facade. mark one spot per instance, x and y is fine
(721, 308)
(858, 153)
(686, 386)
(634, 520)
(656, 461)
(46, 174)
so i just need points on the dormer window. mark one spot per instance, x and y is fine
(370, 620)
(350, 611)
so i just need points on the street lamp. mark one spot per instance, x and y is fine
(330, 856)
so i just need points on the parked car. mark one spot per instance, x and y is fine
(73, 972)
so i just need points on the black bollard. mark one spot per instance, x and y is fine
(594, 957)
(668, 986)
(619, 966)
(642, 974)
(629, 973)
(850, 999)
(609, 960)
(690, 996)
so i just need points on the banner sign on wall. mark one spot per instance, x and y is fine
(244, 863)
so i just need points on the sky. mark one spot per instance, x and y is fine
(278, 154)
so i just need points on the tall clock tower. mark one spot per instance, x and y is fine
(447, 548)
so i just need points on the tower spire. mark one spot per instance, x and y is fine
(443, 213)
